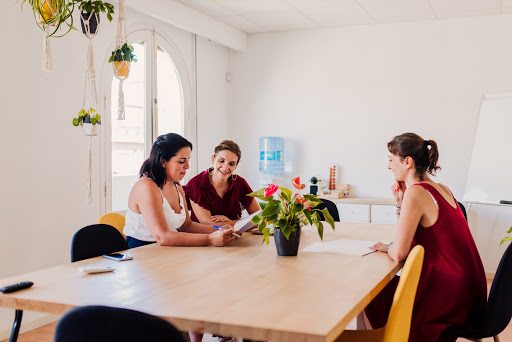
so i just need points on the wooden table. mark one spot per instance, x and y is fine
(242, 290)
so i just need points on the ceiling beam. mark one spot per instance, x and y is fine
(186, 18)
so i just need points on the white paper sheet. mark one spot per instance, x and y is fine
(343, 246)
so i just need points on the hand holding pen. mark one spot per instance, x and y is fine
(226, 226)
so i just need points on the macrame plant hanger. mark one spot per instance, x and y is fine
(91, 100)
(47, 8)
(121, 39)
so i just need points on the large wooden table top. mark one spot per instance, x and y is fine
(242, 290)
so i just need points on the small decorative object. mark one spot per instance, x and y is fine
(51, 13)
(332, 177)
(507, 238)
(313, 188)
(121, 58)
(287, 215)
(90, 15)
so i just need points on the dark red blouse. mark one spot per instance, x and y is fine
(200, 191)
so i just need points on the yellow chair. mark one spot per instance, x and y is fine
(115, 220)
(399, 321)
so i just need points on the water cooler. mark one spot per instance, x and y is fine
(271, 160)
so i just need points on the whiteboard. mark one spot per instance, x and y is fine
(490, 170)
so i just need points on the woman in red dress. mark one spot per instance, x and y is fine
(452, 289)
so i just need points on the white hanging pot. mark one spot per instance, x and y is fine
(89, 128)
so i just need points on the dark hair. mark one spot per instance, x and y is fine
(424, 152)
(164, 148)
(230, 146)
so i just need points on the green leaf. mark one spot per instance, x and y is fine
(262, 225)
(320, 227)
(287, 231)
(260, 194)
(266, 234)
(262, 205)
(328, 217)
(256, 219)
(286, 193)
(510, 230)
(75, 122)
(307, 213)
(271, 206)
(283, 223)
(508, 238)
(313, 198)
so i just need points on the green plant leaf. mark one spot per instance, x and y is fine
(76, 122)
(320, 227)
(256, 219)
(283, 223)
(286, 193)
(287, 231)
(510, 230)
(508, 238)
(266, 234)
(260, 194)
(262, 225)
(328, 217)
(307, 213)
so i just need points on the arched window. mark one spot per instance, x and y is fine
(155, 103)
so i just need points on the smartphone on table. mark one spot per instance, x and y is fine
(118, 256)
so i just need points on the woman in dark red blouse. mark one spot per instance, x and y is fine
(217, 195)
(452, 286)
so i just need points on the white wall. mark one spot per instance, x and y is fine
(43, 157)
(341, 94)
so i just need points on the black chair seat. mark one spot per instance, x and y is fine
(331, 207)
(107, 324)
(499, 305)
(96, 240)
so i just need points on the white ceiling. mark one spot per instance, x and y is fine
(252, 16)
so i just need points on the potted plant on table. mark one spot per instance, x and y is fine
(90, 13)
(287, 215)
(122, 57)
(89, 120)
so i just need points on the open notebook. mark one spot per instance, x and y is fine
(245, 223)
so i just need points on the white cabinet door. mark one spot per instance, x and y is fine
(383, 213)
(354, 212)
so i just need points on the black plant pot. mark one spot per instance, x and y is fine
(87, 119)
(287, 247)
(93, 24)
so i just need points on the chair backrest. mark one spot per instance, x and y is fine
(96, 240)
(107, 324)
(331, 207)
(499, 305)
(463, 210)
(115, 220)
(399, 320)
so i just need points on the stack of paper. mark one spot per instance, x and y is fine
(343, 246)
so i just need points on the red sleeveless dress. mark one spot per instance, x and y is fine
(452, 289)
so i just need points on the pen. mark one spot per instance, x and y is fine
(234, 234)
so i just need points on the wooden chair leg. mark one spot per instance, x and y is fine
(496, 338)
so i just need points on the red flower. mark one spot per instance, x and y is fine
(296, 183)
(270, 190)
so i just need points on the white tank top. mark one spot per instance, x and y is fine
(137, 228)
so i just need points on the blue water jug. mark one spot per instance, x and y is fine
(271, 155)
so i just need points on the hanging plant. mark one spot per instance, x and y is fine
(89, 120)
(90, 14)
(53, 13)
(122, 57)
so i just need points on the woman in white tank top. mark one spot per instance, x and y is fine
(157, 211)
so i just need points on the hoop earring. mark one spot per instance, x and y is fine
(210, 171)
(234, 177)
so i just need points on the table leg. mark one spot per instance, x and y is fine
(18, 315)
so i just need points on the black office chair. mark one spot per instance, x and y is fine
(96, 240)
(499, 305)
(463, 210)
(107, 324)
(331, 207)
